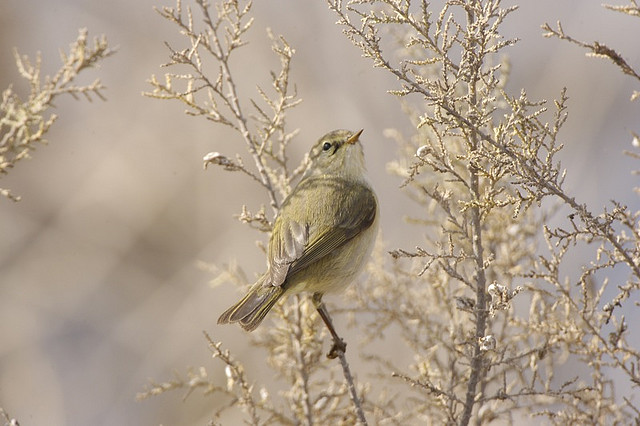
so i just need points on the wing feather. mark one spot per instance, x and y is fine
(340, 212)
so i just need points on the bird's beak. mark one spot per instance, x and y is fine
(353, 139)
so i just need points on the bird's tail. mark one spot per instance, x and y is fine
(251, 310)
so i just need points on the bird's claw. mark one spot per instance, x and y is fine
(338, 348)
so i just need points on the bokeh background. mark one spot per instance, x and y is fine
(100, 287)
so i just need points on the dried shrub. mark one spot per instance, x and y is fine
(24, 124)
(482, 307)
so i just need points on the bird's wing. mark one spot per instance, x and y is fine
(340, 211)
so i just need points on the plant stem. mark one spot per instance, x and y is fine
(303, 377)
(352, 388)
(478, 254)
(234, 105)
(338, 350)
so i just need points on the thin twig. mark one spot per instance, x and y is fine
(352, 388)
(338, 350)
(234, 105)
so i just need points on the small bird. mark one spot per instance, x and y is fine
(322, 236)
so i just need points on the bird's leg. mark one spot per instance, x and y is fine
(339, 345)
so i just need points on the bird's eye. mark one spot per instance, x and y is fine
(326, 146)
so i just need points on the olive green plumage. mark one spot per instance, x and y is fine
(323, 234)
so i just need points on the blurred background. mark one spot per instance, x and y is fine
(100, 287)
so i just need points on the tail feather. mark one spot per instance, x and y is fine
(251, 310)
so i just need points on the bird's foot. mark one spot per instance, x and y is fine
(339, 348)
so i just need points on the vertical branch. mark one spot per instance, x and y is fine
(353, 393)
(301, 372)
(246, 135)
(338, 350)
(233, 101)
(475, 374)
(480, 306)
(220, 102)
